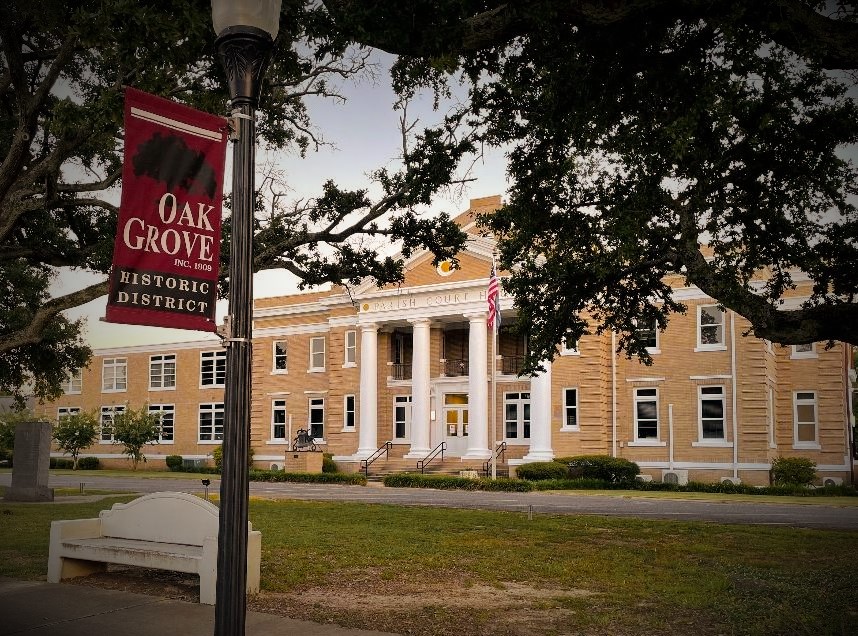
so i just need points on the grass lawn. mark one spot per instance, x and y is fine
(430, 571)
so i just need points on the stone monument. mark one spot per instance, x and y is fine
(30, 463)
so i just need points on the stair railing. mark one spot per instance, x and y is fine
(422, 463)
(500, 451)
(384, 449)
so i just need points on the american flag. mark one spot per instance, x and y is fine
(493, 299)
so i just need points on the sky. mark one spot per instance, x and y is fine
(364, 133)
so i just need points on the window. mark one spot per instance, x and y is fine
(516, 416)
(649, 336)
(211, 422)
(570, 409)
(771, 419)
(280, 357)
(317, 353)
(114, 375)
(710, 327)
(402, 417)
(349, 412)
(569, 348)
(162, 372)
(74, 384)
(212, 368)
(646, 414)
(107, 414)
(317, 418)
(166, 418)
(710, 408)
(804, 417)
(803, 351)
(351, 349)
(65, 411)
(278, 420)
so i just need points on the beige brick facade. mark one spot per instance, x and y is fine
(705, 410)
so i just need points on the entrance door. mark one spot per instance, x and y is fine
(402, 418)
(456, 423)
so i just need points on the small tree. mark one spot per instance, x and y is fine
(75, 433)
(135, 429)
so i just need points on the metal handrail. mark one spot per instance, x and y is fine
(384, 448)
(422, 463)
(500, 449)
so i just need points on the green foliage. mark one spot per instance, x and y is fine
(328, 463)
(584, 483)
(793, 471)
(217, 455)
(60, 463)
(605, 467)
(539, 471)
(174, 462)
(448, 482)
(357, 479)
(88, 463)
(75, 433)
(134, 429)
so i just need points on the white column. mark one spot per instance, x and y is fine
(368, 422)
(478, 390)
(420, 389)
(540, 417)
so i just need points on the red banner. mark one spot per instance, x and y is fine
(165, 258)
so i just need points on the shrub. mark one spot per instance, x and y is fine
(174, 462)
(89, 463)
(58, 462)
(217, 455)
(328, 464)
(540, 471)
(795, 471)
(605, 467)
(448, 482)
(357, 479)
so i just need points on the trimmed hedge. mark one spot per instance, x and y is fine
(328, 463)
(174, 462)
(541, 471)
(449, 482)
(88, 463)
(60, 462)
(726, 488)
(605, 467)
(357, 479)
(793, 470)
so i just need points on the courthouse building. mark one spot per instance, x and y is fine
(411, 365)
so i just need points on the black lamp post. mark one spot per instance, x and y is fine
(246, 30)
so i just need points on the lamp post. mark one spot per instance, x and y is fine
(245, 37)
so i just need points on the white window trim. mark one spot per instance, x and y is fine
(168, 442)
(722, 346)
(657, 348)
(646, 441)
(175, 372)
(346, 427)
(77, 375)
(114, 365)
(317, 440)
(404, 400)
(210, 442)
(274, 369)
(311, 368)
(563, 427)
(521, 440)
(814, 445)
(215, 358)
(347, 364)
(285, 438)
(713, 441)
(770, 397)
(69, 410)
(570, 351)
(114, 409)
(803, 355)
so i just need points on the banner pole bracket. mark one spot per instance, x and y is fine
(224, 332)
(235, 125)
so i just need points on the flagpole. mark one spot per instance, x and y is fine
(494, 398)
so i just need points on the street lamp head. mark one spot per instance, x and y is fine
(260, 14)
(245, 38)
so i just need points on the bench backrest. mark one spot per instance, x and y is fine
(165, 517)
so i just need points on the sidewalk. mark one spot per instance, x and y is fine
(33, 608)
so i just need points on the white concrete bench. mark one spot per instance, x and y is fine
(165, 530)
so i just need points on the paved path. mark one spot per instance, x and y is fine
(814, 515)
(31, 608)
